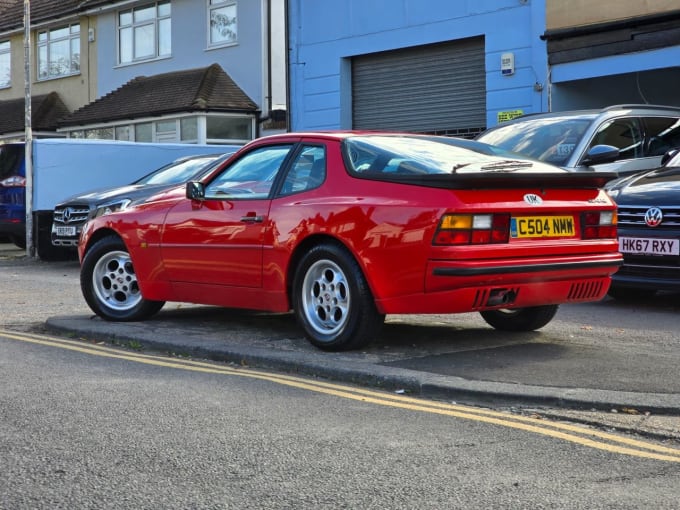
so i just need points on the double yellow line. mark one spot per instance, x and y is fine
(573, 433)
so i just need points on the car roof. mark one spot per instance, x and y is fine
(614, 110)
(197, 156)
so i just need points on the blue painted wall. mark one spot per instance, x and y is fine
(243, 62)
(325, 35)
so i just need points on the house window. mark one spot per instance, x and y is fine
(144, 32)
(215, 129)
(166, 131)
(188, 129)
(228, 128)
(99, 134)
(5, 65)
(124, 133)
(144, 132)
(59, 52)
(223, 26)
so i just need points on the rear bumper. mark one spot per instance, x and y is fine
(509, 269)
(468, 286)
(11, 228)
(669, 281)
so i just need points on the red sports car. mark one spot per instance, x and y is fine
(346, 227)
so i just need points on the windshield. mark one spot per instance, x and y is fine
(414, 155)
(177, 173)
(547, 139)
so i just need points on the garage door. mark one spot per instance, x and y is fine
(439, 88)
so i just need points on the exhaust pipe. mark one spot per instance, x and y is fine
(500, 297)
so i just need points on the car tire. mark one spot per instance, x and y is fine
(109, 283)
(520, 319)
(630, 293)
(332, 301)
(19, 241)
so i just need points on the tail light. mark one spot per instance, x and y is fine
(16, 181)
(598, 225)
(462, 229)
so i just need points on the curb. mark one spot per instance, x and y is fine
(362, 373)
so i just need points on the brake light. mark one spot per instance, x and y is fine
(461, 229)
(599, 225)
(16, 181)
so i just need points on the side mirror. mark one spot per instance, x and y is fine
(195, 190)
(665, 159)
(601, 154)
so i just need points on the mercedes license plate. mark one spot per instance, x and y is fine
(65, 231)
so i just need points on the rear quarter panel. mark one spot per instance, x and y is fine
(389, 227)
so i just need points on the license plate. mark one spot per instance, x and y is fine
(65, 231)
(542, 226)
(649, 246)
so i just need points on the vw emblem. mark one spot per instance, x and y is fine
(653, 217)
(67, 215)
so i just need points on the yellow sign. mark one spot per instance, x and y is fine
(505, 116)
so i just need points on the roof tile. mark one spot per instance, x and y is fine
(12, 11)
(46, 110)
(203, 89)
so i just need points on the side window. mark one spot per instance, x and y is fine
(663, 134)
(251, 176)
(307, 172)
(624, 134)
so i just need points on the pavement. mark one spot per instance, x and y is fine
(588, 374)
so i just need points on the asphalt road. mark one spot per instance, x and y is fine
(607, 356)
(84, 425)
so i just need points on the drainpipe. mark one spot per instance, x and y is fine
(268, 44)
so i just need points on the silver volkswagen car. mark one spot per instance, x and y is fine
(624, 139)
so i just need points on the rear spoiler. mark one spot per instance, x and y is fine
(503, 180)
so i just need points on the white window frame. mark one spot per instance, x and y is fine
(49, 40)
(156, 136)
(215, 5)
(6, 49)
(155, 22)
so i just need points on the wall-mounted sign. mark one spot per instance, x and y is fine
(509, 115)
(507, 64)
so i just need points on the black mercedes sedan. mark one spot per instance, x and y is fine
(649, 231)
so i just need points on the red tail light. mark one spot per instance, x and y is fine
(461, 229)
(598, 225)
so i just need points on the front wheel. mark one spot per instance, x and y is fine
(109, 283)
(332, 301)
(520, 319)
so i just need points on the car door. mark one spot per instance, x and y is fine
(626, 134)
(219, 240)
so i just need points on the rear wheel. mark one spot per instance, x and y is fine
(332, 301)
(109, 283)
(520, 319)
(19, 241)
